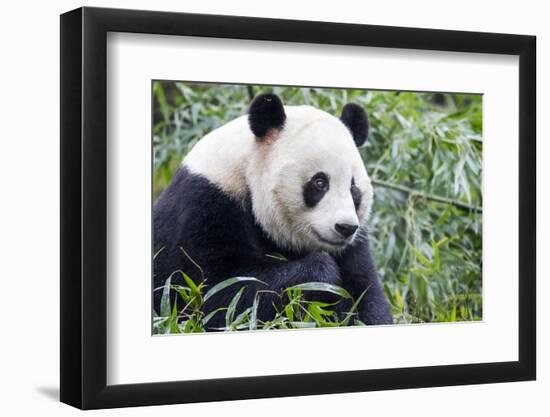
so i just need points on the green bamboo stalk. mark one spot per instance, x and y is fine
(432, 197)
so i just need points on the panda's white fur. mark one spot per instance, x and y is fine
(275, 169)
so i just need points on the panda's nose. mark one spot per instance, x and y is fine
(346, 230)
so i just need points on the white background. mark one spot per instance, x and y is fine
(29, 223)
(133, 60)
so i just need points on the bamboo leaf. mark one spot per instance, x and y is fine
(227, 283)
(230, 313)
(165, 298)
(425, 261)
(322, 286)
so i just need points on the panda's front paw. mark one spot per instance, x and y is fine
(347, 256)
(321, 267)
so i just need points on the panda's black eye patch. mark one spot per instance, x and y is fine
(320, 181)
(356, 194)
(315, 189)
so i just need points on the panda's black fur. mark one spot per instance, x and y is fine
(266, 112)
(198, 224)
(357, 121)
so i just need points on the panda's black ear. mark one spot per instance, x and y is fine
(266, 113)
(357, 121)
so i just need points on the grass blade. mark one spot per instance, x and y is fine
(228, 282)
(322, 286)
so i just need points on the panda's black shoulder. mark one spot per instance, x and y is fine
(192, 208)
(194, 214)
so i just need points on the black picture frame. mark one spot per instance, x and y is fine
(84, 207)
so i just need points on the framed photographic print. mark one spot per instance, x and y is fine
(257, 208)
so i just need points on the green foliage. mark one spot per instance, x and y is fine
(424, 156)
(297, 312)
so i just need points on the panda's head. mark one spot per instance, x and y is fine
(309, 187)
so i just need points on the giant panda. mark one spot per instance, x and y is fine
(281, 179)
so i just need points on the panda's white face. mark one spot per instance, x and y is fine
(309, 187)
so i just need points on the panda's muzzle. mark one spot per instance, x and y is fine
(336, 244)
(345, 230)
